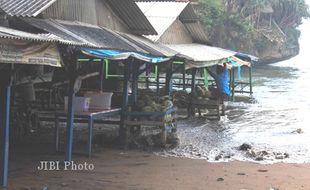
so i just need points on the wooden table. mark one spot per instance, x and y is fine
(90, 116)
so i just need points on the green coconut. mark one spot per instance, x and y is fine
(147, 109)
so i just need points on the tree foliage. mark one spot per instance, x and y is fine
(266, 20)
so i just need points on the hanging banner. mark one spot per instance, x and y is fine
(23, 52)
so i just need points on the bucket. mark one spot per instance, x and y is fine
(80, 104)
(100, 101)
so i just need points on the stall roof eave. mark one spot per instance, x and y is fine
(153, 48)
(199, 55)
(9, 33)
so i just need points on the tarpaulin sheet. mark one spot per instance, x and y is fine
(121, 55)
(23, 52)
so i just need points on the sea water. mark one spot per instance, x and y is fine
(278, 121)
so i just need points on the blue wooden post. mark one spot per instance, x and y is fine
(101, 77)
(5, 94)
(70, 120)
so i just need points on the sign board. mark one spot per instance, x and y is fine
(24, 52)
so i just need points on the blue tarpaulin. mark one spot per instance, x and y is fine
(121, 55)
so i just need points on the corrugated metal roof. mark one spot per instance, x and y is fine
(9, 33)
(188, 14)
(130, 13)
(201, 55)
(156, 49)
(191, 21)
(161, 15)
(25, 8)
(197, 32)
(91, 35)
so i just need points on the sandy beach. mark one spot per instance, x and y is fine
(137, 170)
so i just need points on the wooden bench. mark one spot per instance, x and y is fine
(136, 119)
(210, 105)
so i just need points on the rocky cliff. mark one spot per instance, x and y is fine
(265, 28)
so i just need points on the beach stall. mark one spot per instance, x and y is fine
(179, 29)
(133, 113)
(19, 49)
(115, 15)
(198, 58)
(108, 46)
(240, 84)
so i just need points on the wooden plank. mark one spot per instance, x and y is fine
(145, 123)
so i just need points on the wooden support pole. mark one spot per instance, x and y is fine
(183, 75)
(157, 81)
(147, 75)
(70, 119)
(122, 129)
(135, 73)
(233, 85)
(169, 79)
(101, 75)
(106, 61)
(193, 81)
(5, 95)
(193, 92)
(250, 80)
(206, 77)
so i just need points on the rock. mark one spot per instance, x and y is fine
(227, 156)
(220, 179)
(64, 185)
(251, 153)
(263, 153)
(245, 147)
(286, 155)
(279, 157)
(274, 188)
(218, 157)
(299, 131)
(263, 171)
(260, 158)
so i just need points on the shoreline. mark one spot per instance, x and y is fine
(133, 169)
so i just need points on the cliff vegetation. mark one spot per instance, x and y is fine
(265, 28)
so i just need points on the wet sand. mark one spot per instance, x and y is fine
(135, 170)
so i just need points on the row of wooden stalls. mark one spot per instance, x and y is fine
(145, 79)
